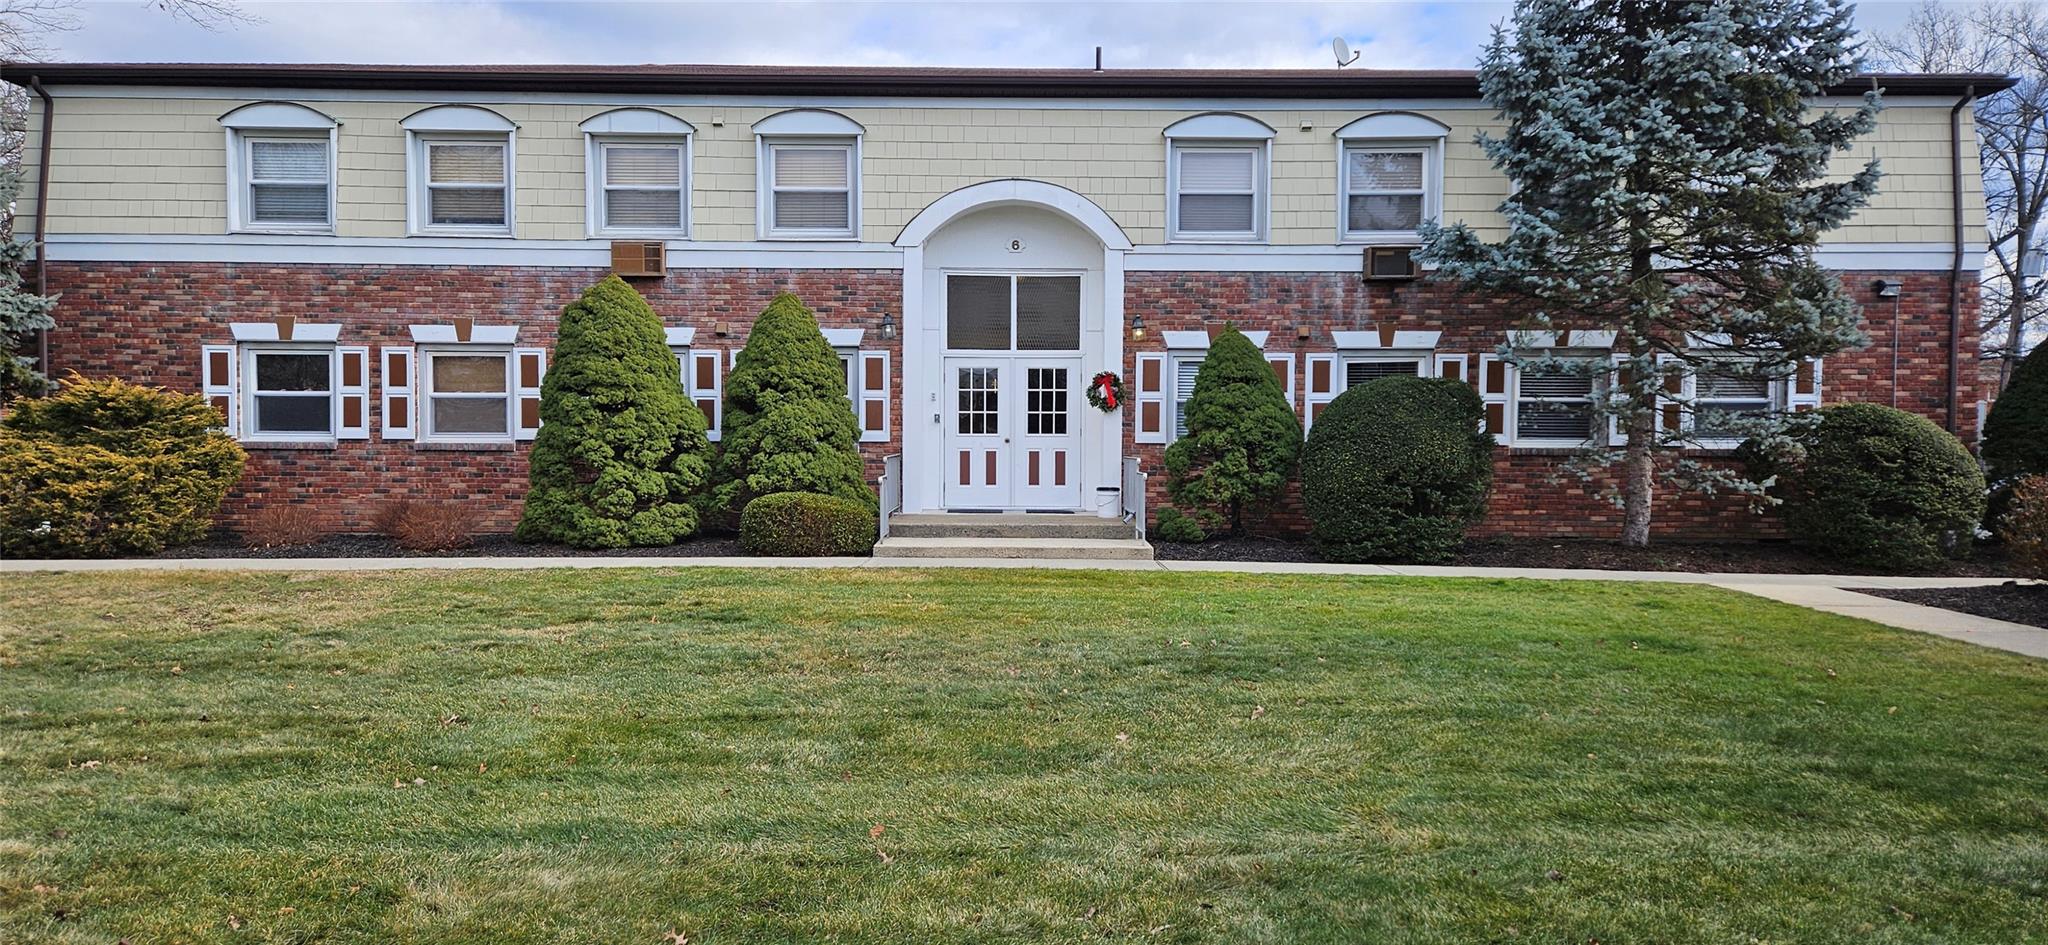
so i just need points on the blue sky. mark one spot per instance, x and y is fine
(1390, 34)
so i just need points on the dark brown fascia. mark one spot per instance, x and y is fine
(858, 80)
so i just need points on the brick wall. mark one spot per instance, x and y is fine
(1531, 496)
(146, 323)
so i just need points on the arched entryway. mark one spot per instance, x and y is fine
(1012, 301)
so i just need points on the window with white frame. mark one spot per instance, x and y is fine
(1386, 189)
(1186, 367)
(287, 182)
(290, 392)
(811, 187)
(643, 186)
(280, 166)
(1389, 176)
(1218, 190)
(466, 184)
(1554, 400)
(1728, 391)
(468, 395)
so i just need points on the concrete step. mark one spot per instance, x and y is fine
(1006, 525)
(1129, 549)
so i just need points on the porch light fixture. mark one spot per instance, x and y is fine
(1302, 334)
(888, 327)
(1886, 288)
(1137, 327)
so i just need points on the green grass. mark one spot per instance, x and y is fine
(607, 756)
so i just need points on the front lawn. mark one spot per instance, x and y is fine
(958, 756)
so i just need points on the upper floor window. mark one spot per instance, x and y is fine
(639, 173)
(1217, 178)
(809, 185)
(1390, 176)
(460, 164)
(280, 168)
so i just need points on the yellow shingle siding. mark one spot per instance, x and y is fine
(158, 165)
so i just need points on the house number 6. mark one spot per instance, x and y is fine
(1016, 246)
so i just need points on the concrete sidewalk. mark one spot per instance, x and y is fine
(1832, 593)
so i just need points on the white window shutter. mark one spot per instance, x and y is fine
(529, 365)
(1673, 414)
(1186, 370)
(352, 390)
(1492, 381)
(1617, 433)
(1151, 399)
(874, 396)
(1802, 389)
(1453, 367)
(219, 365)
(707, 386)
(398, 393)
(1325, 382)
(1283, 371)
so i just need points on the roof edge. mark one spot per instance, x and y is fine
(933, 82)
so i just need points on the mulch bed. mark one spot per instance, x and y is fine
(2011, 601)
(377, 546)
(1747, 557)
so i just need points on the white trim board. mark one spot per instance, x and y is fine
(776, 254)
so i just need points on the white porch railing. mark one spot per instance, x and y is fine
(1134, 494)
(892, 490)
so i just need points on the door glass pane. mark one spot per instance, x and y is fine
(464, 373)
(1045, 409)
(288, 414)
(978, 401)
(978, 313)
(1048, 313)
(469, 415)
(291, 372)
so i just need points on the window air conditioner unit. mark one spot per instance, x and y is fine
(640, 258)
(1390, 263)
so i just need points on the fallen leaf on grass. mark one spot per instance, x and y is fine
(886, 858)
(673, 937)
(234, 922)
(1258, 712)
(875, 832)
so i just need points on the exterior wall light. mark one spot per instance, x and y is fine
(1137, 327)
(1886, 288)
(888, 327)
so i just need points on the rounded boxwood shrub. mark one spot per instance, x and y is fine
(1242, 440)
(1879, 486)
(806, 525)
(2016, 429)
(110, 468)
(1396, 470)
(788, 425)
(621, 448)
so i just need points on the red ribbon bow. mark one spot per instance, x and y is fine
(1108, 385)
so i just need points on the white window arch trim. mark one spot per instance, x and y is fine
(455, 125)
(636, 128)
(806, 130)
(259, 123)
(1404, 132)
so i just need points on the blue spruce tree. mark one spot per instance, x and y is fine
(1671, 185)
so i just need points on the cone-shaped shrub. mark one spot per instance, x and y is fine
(1396, 470)
(621, 447)
(1242, 438)
(788, 425)
(2016, 430)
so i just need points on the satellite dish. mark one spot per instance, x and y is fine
(1345, 56)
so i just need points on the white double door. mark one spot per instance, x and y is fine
(1013, 440)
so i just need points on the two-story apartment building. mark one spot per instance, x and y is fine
(362, 265)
